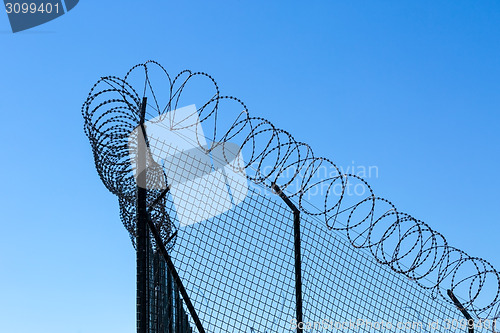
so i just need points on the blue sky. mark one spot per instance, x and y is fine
(412, 88)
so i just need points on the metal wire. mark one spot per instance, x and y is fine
(374, 225)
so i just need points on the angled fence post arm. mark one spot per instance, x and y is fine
(298, 263)
(470, 321)
(144, 220)
(175, 275)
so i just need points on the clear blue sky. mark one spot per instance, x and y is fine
(409, 87)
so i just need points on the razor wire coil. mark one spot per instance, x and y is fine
(405, 244)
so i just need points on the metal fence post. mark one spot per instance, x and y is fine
(142, 240)
(298, 263)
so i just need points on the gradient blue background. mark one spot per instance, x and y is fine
(410, 87)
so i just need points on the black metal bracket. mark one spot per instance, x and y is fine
(470, 321)
(298, 264)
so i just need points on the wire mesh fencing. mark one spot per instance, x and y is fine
(239, 269)
(260, 234)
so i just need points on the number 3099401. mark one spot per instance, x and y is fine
(31, 8)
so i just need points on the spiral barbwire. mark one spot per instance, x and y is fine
(395, 239)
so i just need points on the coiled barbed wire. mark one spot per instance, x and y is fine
(396, 239)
